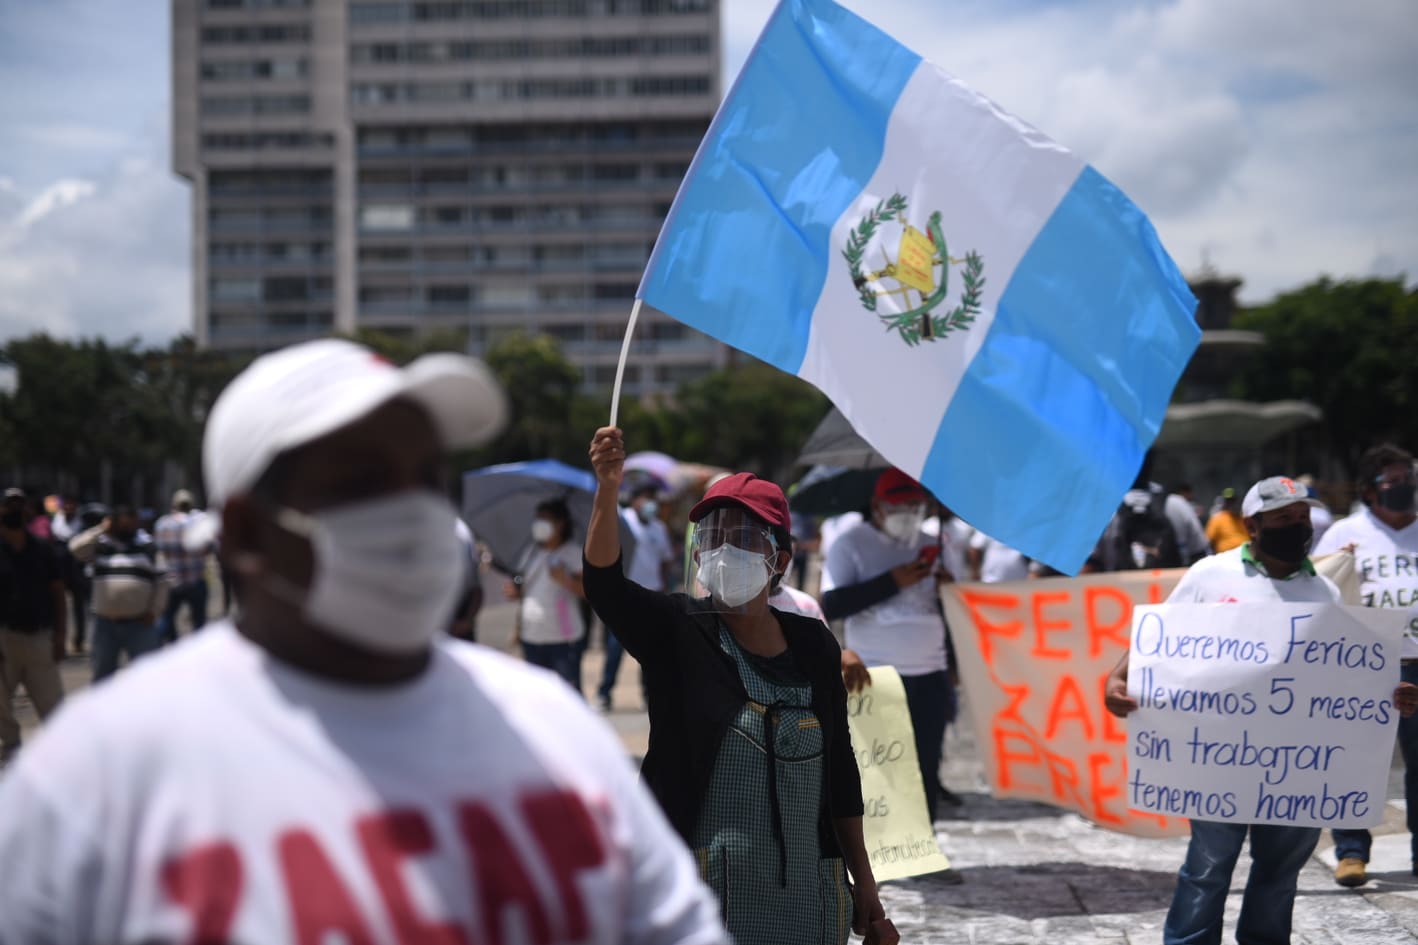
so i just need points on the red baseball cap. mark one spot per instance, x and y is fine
(895, 487)
(758, 497)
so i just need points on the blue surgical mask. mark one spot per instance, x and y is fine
(648, 510)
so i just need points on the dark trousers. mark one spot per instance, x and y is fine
(564, 659)
(928, 701)
(79, 609)
(1356, 843)
(194, 595)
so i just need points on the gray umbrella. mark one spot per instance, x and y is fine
(835, 443)
(499, 503)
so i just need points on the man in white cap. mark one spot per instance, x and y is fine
(333, 766)
(1273, 566)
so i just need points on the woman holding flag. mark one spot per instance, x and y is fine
(749, 752)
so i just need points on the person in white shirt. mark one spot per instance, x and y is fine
(550, 626)
(992, 561)
(881, 577)
(333, 766)
(648, 566)
(1384, 535)
(1272, 566)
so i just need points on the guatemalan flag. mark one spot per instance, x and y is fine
(988, 311)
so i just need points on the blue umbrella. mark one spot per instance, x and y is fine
(499, 503)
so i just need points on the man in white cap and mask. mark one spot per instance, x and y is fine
(333, 766)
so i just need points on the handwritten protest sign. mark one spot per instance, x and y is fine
(1275, 713)
(1033, 660)
(899, 837)
(1034, 657)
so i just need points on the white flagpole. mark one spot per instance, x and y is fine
(624, 354)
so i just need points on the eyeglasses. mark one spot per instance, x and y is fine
(747, 537)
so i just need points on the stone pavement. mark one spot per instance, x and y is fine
(1033, 874)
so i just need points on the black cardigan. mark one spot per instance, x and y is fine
(694, 693)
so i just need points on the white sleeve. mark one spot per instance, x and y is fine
(839, 568)
(52, 873)
(1334, 538)
(979, 540)
(1188, 589)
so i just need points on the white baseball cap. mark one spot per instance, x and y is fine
(1274, 493)
(290, 397)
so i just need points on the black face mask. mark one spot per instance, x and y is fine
(1287, 543)
(13, 520)
(1397, 497)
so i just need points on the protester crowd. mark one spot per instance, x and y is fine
(284, 769)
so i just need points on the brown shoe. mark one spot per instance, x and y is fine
(1350, 872)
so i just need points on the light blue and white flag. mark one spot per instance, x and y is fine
(988, 311)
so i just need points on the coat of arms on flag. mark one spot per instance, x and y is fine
(919, 256)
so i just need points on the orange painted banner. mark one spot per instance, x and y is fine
(1034, 659)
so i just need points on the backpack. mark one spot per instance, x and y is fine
(1142, 537)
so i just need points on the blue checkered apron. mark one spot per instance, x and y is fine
(757, 838)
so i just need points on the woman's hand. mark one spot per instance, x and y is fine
(608, 458)
(869, 918)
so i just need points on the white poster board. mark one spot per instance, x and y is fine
(1274, 713)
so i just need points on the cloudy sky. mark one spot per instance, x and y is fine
(1276, 138)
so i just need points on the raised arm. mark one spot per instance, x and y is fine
(603, 534)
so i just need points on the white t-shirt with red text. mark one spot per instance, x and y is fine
(1387, 561)
(212, 793)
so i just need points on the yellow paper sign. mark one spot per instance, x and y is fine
(915, 262)
(899, 836)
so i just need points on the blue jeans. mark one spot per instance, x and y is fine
(194, 595)
(1277, 853)
(928, 701)
(614, 651)
(564, 659)
(112, 637)
(1356, 843)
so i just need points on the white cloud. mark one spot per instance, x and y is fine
(1276, 136)
(60, 194)
(102, 257)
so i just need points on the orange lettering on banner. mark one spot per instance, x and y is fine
(1063, 778)
(1043, 626)
(1114, 631)
(1104, 792)
(1007, 758)
(975, 601)
(1068, 704)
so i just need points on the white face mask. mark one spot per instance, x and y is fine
(387, 571)
(904, 526)
(733, 576)
(542, 530)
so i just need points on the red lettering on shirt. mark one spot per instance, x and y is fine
(320, 903)
(567, 835)
(502, 879)
(207, 882)
(388, 839)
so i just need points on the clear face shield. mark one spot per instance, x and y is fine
(735, 558)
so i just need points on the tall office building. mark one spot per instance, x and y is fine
(488, 165)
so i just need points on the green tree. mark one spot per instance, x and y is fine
(1350, 348)
(541, 386)
(751, 417)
